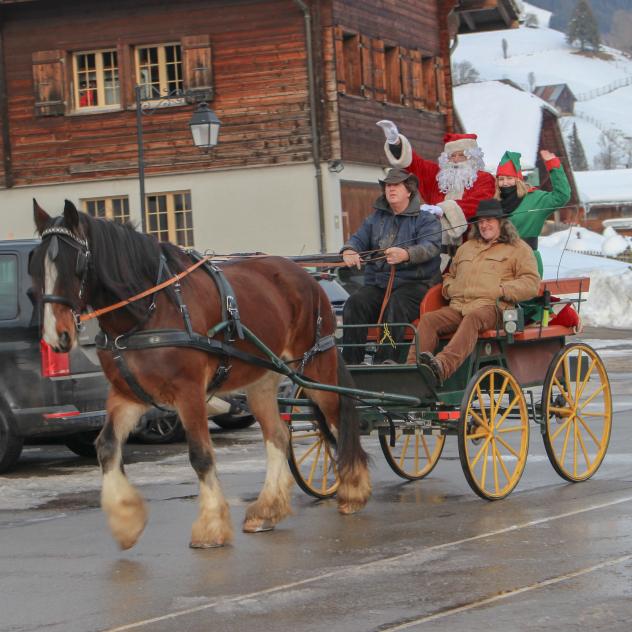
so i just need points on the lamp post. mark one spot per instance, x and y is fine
(204, 126)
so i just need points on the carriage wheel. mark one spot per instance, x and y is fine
(577, 408)
(414, 454)
(311, 457)
(493, 433)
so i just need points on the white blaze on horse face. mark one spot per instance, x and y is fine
(49, 330)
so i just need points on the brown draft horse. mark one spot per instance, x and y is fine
(84, 262)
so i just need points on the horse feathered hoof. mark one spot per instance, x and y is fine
(206, 545)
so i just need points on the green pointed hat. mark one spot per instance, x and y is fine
(510, 165)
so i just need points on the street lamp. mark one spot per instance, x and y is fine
(204, 126)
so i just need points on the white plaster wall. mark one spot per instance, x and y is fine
(268, 209)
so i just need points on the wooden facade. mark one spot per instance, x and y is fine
(248, 56)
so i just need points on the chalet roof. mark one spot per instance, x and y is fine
(486, 15)
(504, 117)
(552, 93)
(604, 187)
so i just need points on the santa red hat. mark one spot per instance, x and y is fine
(459, 142)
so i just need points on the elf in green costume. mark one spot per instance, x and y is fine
(528, 207)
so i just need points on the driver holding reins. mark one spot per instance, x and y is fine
(396, 235)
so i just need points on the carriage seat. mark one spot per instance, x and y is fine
(434, 300)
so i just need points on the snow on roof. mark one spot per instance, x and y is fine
(504, 119)
(601, 187)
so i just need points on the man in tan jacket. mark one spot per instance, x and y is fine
(491, 271)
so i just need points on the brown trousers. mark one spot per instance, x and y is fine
(466, 329)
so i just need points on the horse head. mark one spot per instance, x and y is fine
(60, 267)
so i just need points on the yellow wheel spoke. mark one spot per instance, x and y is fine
(404, 450)
(560, 411)
(501, 395)
(484, 472)
(479, 394)
(582, 386)
(512, 429)
(309, 451)
(563, 391)
(323, 487)
(494, 461)
(502, 464)
(575, 449)
(312, 470)
(587, 414)
(583, 446)
(567, 378)
(509, 409)
(589, 431)
(562, 426)
(480, 421)
(481, 450)
(417, 451)
(478, 436)
(592, 396)
(508, 447)
(426, 450)
(565, 445)
(578, 374)
(309, 435)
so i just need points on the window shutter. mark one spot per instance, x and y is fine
(379, 70)
(366, 57)
(430, 83)
(341, 83)
(405, 65)
(197, 65)
(417, 79)
(49, 81)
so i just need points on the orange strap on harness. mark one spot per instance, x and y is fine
(151, 290)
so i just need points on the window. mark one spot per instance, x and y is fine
(96, 79)
(353, 63)
(170, 218)
(159, 70)
(116, 208)
(393, 75)
(8, 287)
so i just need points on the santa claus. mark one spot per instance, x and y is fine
(452, 187)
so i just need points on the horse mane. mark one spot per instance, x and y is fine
(126, 262)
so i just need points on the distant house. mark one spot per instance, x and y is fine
(508, 118)
(606, 195)
(559, 95)
(488, 15)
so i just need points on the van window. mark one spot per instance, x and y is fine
(8, 287)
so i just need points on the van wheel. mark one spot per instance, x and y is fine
(82, 443)
(10, 445)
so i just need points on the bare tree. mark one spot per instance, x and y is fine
(505, 46)
(464, 72)
(609, 156)
(531, 79)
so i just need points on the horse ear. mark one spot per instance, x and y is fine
(71, 215)
(40, 216)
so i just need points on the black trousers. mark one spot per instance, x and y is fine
(364, 306)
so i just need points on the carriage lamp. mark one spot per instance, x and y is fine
(204, 126)
(513, 320)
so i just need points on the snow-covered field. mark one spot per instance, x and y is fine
(541, 56)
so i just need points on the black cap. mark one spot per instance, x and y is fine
(489, 209)
(396, 175)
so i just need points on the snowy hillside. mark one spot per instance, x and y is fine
(541, 56)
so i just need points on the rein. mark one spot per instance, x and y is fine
(174, 279)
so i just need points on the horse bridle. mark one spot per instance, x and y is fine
(82, 265)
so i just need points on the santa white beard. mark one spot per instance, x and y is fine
(456, 176)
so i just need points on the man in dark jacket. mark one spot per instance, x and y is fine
(408, 239)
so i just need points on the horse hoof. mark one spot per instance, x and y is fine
(205, 545)
(258, 526)
(349, 508)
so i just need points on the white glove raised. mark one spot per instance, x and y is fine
(390, 131)
(432, 208)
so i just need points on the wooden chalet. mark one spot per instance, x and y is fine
(558, 95)
(487, 15)
(297, 84)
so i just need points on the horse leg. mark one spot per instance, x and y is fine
(342, 418)
(273, 502)
(213, 526)
(121, 502)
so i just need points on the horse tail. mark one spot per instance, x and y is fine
(350, 450)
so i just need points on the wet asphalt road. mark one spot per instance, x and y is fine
(428, 555)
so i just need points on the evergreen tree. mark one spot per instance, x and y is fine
(576, 152)
(583, 27)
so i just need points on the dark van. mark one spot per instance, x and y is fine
(42, 393)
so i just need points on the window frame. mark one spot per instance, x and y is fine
(172, 230)
(175, 96)
(100, 78)
(109, 210)
(10, 256)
